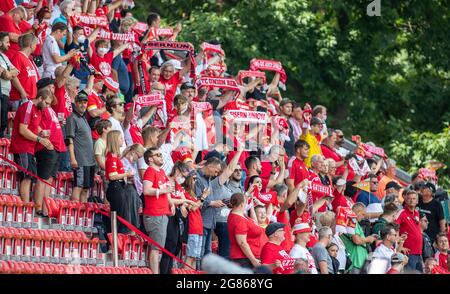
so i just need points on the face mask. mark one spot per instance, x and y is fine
(102, 51)
(180, 180)
(81, 39)
(183, 109)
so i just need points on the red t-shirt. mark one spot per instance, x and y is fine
(113, 165)
(392, 271)
(95, 102)
(272, 252)
(24, 26)
(442, 259)
(49, 121)
(409, 223)
(241, 225)
(283, 217)
(102, 64)
(156, 206)
(298, 171)
(63, 106)
(7, 5)
(7, 24)
(28, 76)
(195, 219)
(136, 133)
(340, 200)
(28, 114)
(171, 88)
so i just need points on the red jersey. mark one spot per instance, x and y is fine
(28, 76)
(28, 114)
(113, 165)
(410, 224)
(195, 219)
(272, 252)
(314, 178)
(242, 225)
(49, 121)
(156, 206)
(102, 64)
(171, 88)
(8, 25)
(298, 171)
(63, 106)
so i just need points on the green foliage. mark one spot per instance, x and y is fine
(413, 151)
(380, 77)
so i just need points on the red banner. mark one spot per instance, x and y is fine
(129, 37)
(150, 100)
(320, 190)
(426, 173)
(206, 47)
(375, 150)
(91, 20)
(140, 28)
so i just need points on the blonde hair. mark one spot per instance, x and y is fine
(112, 142)
(327, 219)
(134, 148)
(126, 23)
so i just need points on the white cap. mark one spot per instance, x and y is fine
(176, 64)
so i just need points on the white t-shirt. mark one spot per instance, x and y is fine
(50, 48)
(341, 256)
(116, 125)
(383, 252)
(6, 64)
(301, 252)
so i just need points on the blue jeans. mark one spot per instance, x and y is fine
(207, 236)
(221, 231)
(415, 262)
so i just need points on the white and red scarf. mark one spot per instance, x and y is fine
(270, 65)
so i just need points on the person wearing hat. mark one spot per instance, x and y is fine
(189, 91)
(302, 234)
(398, 262)
(432, 209)
(79, 142)
(171, 78)
(311, 137)
(392, 187)
(273, 254)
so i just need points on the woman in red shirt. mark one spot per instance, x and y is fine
(116, 175)
(244, 233)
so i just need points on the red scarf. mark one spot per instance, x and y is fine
(270, 65)
(249, 73)
(175, 46)
(128, 37)
(215, 82)
(90, 21)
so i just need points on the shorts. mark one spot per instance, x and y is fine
(194, 246)
(47, 163)
(28, 162)
(156, 227)
(83, 177)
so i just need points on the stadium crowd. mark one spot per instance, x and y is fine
(190, 153)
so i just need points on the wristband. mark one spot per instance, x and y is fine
(157, 193)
